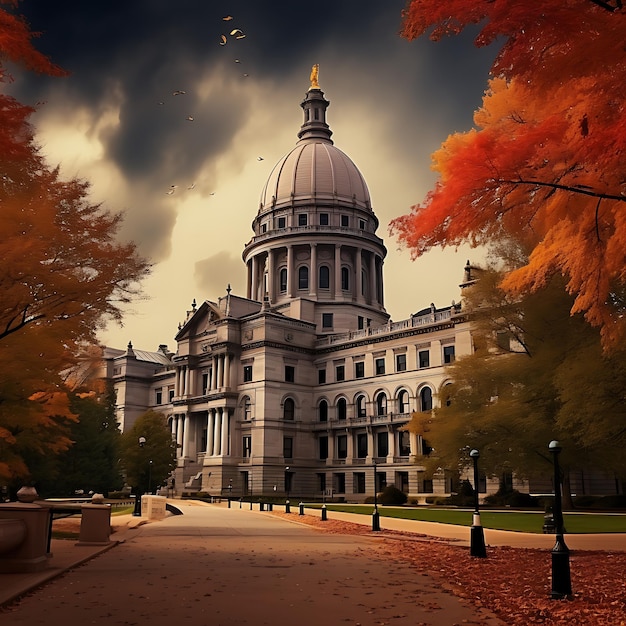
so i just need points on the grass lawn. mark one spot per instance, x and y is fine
(521, 521)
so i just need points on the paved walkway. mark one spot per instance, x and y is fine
(232, 566)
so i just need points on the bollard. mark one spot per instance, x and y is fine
(261, 506)
(240, 501)
(270, 506)
(229, 503)
(287, 507)
(301, 509)
(324, 517)
(251, 504)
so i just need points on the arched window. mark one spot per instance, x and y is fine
(303, 277)
(289, 409)
(381, 404)
(426, 399)
(345, 278)
(342, 409)
(324, 282)
(323, 411)
(247, 408)
(282, 279)
(403, 401)
(360, 406)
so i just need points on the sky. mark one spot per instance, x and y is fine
(178, 124)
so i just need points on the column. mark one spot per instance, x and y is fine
(214, 373)
(186, 382)
(185, 435)
(220, 370)
(358, 283)
(373, 290)
(350, 445)
(413, 444)
(392, 444)
(226, 370)
(290, 276)
(337, 270)
(179, 436)
(314, 271)
(217, 435)
(271, 276)
(210, 426)
(252, 271)
(371, 448)
(331, 448)
(225, 450)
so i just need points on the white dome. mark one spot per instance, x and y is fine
(315, 171)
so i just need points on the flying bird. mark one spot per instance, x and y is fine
(259, 158)
(237, 33)
(191, 186)
(189, 118)
(172, 190)
(222, 40)
(227, 18)
(178, 92)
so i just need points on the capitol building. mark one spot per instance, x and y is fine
(304, 386)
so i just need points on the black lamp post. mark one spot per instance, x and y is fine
(287, 485)
(150, 476)
(561, 580)
(137, 509)
(477, 535)
(375, 515)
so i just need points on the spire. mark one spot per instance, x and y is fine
(315, 105)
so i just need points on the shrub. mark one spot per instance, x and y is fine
(465, 496)
(391, 496)
(511, 497)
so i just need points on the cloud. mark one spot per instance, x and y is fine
(213, 274)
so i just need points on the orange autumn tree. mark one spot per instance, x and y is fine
(545, 162)
(63, 275)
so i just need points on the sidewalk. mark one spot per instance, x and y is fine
(66, 554)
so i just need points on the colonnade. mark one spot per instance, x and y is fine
(218, 433)
(216, 376)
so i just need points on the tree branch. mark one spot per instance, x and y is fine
(581, 190)
(608, 6)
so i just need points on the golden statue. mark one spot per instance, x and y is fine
(314, 74)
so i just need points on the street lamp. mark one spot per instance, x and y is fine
(137, 509)
(561, 580)
(150, 476)
(287, 485)
(477, 536)
(375, 515)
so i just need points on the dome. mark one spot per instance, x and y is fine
(315, 170)
(318, 171)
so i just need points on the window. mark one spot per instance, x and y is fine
(340, 373)
(327, 320)
(324, 219)
(400, 362)
(323, 448)
(359, 482)
(426, 399)
(424, 358)
(287, 450)
(246, 446)
(345, 278)
(360, 322)
(404, 443)
(382, 444)
(303, 277)
(170, 391)
(381, 404)
(345, 221)
(342, 409)
(247, 373)
(448, 354)
(361, 445)
(159, 396)
(342, 446)
(403, 401)
(282, 222)
(321, 377)
(247, 409)
(205, 382)
(380, 366)
(290, 373)
(321, 483)
(360, 406)
(340, 482)
(323, 411)
(359, 369)
(282, 279)
(302, 219)
(324, 281)
(263, 228)
(362, 224)
(289, 409)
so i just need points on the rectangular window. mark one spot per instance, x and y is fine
(382, 444)
(362, 224)
(345, 221)
(340, 483)
(290, 373)
(359, 369)
(288, 447)
(323, 444)
(340, 373)
(263, 228)
(380, 366)
(327, 320)
(424, 358)
(361, 445)
(302, 219)
(246, 446)
(405, 442)
(170, 392)
(247, 373)
(282, 222)
(321, 483)
(159, 396)
(205, 383)
(400, 362)
(342, 446)
(448, 354)
(360, 322)
(321, 377)
(324, 219)
(359, 482)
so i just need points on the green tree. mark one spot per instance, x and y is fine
(537, 374)
(148, 452)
